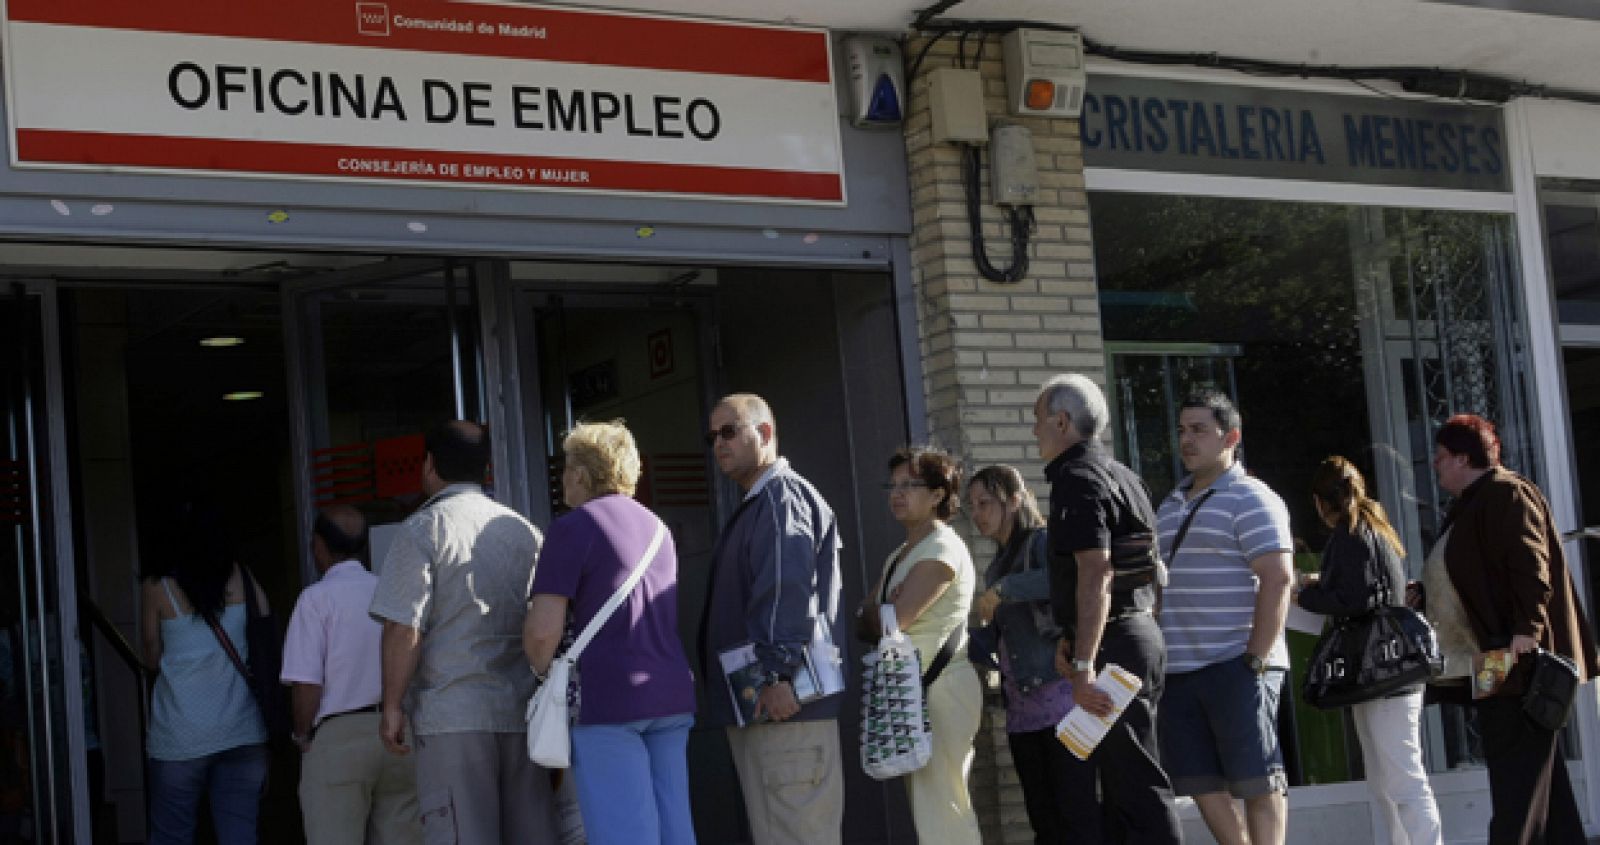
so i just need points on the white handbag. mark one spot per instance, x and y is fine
(549, 723)
(896, 738)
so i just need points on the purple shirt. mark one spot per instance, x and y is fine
(635, 667)
(334, 643)
(1040, 708)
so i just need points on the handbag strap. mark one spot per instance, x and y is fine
(942, 659)
(227, 646)
(1183, 530)
(611, 605)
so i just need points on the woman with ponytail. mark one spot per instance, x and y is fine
(1361, 569)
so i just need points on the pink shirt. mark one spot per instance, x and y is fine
(333, 642)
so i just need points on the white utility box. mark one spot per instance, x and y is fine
(955, 105)
(1044, 73)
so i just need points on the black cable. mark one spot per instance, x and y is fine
(923, 54)
(961, 49)
(928, 14)
(1020, 220)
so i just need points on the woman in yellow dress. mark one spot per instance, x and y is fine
(930, 580)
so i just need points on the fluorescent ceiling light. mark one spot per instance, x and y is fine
(221, 341)
(241, 395)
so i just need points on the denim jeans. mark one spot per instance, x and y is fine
(233, 779)
(633, 781)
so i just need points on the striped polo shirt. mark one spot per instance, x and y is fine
(1209, 603)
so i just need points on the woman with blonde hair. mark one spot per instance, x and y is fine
(1361, 568)
(636, 688)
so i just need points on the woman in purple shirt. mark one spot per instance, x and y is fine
(636, 687)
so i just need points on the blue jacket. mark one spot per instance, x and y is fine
(775, 584)
(1023, 621)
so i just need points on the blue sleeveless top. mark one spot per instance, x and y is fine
(201, 704)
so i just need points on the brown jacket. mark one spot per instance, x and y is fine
(1506, 561)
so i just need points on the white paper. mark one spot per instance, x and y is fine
(1081, 731)
(1303, 620)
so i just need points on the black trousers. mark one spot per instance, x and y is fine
(1136, 805)
(1051, 777)
(1531, 797)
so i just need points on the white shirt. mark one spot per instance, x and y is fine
(334, 643)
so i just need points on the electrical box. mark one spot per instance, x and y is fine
(1044, 73)
(955, 105)
(877, 81)
(1013, 175)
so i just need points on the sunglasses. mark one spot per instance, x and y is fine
(727, 432)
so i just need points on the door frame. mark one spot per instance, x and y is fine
(59, 507)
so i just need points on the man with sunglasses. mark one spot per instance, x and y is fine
(775, 586)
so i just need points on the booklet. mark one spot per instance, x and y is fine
(1081, 731)
(821, 675)
(1489, 671)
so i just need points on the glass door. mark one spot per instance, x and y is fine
(43, 777)
(1148, 381)
(379, 355)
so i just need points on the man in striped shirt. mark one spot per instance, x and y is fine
(1225, 537)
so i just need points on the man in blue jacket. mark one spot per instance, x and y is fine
(775, 586)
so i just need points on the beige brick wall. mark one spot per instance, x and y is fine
(987, 346)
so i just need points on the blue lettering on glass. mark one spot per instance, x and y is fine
(1155, 115)
(1469, 149)
(1116, 122)
(1425, 146)
(1310, 142)
(1138, 123)
(1358, 141)
(1180, 112)
(1381, 130)
(1271, 125)
(1090, 137)
(1447, 147)
(1247, 133)
(1200, 134)
(1222, 132)
(1491, 148)
(1405, 143)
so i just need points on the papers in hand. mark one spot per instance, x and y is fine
(1302, 620)
(820, 675)
(1081, 731)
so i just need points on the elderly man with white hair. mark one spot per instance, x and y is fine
(1104, 574)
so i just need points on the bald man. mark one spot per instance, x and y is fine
(351, 789)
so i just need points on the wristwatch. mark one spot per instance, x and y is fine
(1256, 664)
(1082, 665)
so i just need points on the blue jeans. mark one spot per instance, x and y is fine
(633, 781)
(1218, 727)
(234, 779)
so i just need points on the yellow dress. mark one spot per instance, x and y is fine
(941, 807)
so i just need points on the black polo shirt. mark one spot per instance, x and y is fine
(1087, 513)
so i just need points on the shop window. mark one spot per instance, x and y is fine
(1338, 330)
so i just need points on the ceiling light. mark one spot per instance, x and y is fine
(221, 341)
(241, 396)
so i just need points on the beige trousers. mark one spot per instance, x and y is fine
(792, 780)
(941, 807)
(352, 790)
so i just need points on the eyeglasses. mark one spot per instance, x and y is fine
(727, 432)
(903, 486)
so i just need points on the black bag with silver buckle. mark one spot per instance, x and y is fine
(1371, 655)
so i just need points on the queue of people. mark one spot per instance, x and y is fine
(409, 688)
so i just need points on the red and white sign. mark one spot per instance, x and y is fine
(425, 92)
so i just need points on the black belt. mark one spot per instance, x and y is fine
(370, 708)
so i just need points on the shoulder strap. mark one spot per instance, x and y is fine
(171, 599)
(1183, 530)
(611, 605)
(942, 659)
(227, 646)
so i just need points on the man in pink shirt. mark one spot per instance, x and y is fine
(351, 789)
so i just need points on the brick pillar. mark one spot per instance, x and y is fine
(986, 346)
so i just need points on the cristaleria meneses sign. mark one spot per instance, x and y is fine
(1138, 123)
(426, 92)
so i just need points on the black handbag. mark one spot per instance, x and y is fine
(1552, 687)
(1371, 655)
